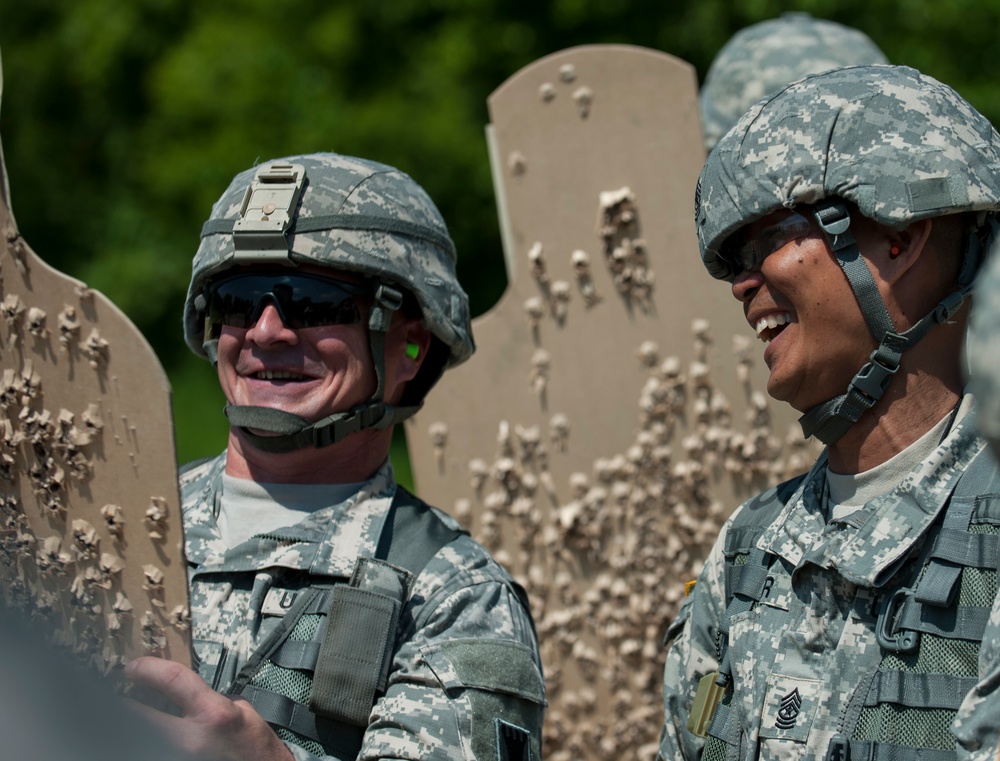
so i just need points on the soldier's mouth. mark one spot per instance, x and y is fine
(769, 326)
(279, 375)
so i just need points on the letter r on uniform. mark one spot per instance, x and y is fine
(768, 585)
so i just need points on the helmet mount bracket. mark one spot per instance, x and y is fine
(260, 234)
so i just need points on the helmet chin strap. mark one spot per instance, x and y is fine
(829, 420)
(286, 432)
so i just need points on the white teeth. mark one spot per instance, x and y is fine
(771, 321)
(277, 375)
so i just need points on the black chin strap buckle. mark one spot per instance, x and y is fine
(338, 426)
(873, 379)
(832, 216)
(389, 297)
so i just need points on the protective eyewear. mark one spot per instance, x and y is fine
(302, 300)
(748, 254)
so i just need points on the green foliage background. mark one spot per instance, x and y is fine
(123, 121)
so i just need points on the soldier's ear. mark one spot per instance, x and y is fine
(904, 248)
(416, 342)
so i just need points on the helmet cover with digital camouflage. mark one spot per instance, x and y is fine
(763, 58)
(349, 215)
(895, 144)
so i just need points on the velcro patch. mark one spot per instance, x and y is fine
(789, 707)
(513, 743)
(776, 590)
(278, 601)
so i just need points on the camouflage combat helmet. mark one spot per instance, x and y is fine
(351, 215)
(763, 58)
(898, 145)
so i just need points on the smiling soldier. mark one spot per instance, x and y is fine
(334, 614)
(845, 614)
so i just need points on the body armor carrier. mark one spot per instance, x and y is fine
(317, 676)
(929, 622)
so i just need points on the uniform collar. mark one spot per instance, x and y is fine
(867, 549)
(327, 543)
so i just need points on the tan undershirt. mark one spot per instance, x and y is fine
(249, 508)
(846, 493)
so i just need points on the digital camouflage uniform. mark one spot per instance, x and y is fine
(463, 613)
(814, 631)
(284, 619)
(874, 635)
(763, 58)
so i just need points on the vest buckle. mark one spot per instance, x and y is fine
(839, 749)
(887, 632)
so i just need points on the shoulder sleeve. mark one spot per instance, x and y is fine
(466, 680)
(692, 641)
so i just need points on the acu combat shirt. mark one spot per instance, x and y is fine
(465, 671)
(806, 661)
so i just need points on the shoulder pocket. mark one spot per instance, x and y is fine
(504, 690)
(492, 665)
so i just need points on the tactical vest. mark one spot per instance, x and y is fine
(929, 622)
(318, 674)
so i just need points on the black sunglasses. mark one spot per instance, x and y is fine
(302, 300)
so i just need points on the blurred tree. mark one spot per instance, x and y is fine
(123, 122)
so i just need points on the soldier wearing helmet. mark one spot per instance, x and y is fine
(338, 616)
(845, 614)
(763, 58)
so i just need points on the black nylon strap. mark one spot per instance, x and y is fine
(966, 622)
(341, 740)
(919, 690)
(835, 221)
(940, 581)
(751, 581)
(319, 604)
(264, 418)
(296, 654)
(976, 550)
(322, 433)
(830, 420)
(723, 726)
